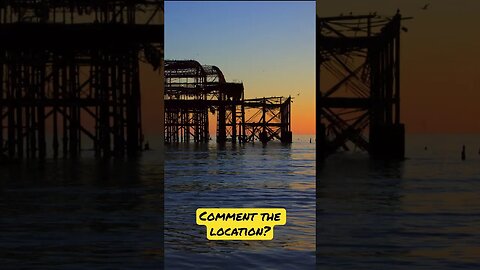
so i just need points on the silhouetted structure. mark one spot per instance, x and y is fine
(358, 87)
(268, 119)
(192, 91)
(72, 68)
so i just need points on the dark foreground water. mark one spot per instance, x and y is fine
(423, 213)
(83, 214)
(247, 176)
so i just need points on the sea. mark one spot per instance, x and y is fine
(420, 213)
(82, 213)
(240, 176)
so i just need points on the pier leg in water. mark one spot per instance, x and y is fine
(463, 152)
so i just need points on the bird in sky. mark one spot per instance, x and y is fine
(426, 6)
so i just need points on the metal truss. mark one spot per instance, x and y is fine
(358, 88)
(192, 91)
(69, 75)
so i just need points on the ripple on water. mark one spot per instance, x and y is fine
(249, 176)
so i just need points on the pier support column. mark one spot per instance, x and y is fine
(388, 141)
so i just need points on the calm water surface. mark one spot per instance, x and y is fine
(82, 214)
(247, 176)
(422, 213)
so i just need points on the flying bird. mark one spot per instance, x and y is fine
(426, 6)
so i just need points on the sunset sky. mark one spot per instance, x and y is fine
(439, 60)
(269, 46)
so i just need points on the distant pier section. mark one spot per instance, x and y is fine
(193, 91)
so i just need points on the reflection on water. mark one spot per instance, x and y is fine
(242, 176)
(82, 214)
(422, 213)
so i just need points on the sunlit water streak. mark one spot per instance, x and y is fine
(421, 213)
(241, 176)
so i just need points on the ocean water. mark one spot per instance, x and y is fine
(243, 176)
(421, 213)
(82, 214)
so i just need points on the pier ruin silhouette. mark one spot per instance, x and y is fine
(70, 69)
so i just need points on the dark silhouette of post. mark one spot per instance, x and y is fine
(147, 146)
(463, 152)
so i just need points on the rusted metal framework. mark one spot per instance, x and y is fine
(192, 91)
(269, 119)
(358, 85)
(184, 86)
(69, 75)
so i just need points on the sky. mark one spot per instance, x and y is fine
(269, 46)
(440, 78)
